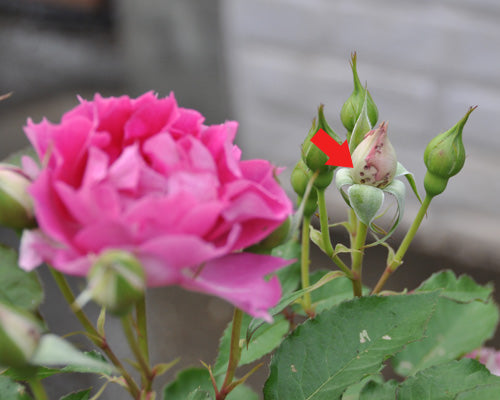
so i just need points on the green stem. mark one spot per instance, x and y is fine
(325, 234)
(234, 354)
(97, 339)
(142, 327)
(403, 247)
(146, 373)
(357, 258)
(37, 389)
(304, 264)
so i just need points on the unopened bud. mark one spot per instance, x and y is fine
(352, 107)
(374, 159)
(16, 205)
(116, 281)
(444, 157)
(20, 334)
(301, 175)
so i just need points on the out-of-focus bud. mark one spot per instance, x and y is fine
(20, 334)
(274, 239)
(444, 157)
(16, 206)
(374, 159)
(301, 175)
(313, 157)
(352, 107)
(116, 281)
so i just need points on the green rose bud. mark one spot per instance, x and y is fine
(374, 159)
(116, 281)
(301, 175)
(274, 239)
(352, 107)
(16, 206)
(313, 157)
(444, 157)
(20, 334)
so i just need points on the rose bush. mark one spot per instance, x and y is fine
(146, 176)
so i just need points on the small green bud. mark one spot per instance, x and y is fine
(20, 334)
(374, 160)
(311, 204)
(301, 175)
(16, 206)
(444, 157)
(116, 281)
(313, 157)
(352, 107)
(323, 180)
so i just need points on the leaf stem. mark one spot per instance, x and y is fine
(403, 247)
(37, 389)
(234, 355)
(98, 339)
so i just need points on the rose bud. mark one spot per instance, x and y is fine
(313, 157)
(444, 157)
(299, 179)
(374, 159)
(352, 107)
(16, 206)
(276, 238)
(116, 281)
(20, 334)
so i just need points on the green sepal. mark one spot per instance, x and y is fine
(362, 126)
(366, 202)
(400, 171)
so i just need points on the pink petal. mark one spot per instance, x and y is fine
(239, 279)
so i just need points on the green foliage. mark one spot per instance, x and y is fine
(464, 319)
(18, 287)
(324, 356)
(10, 390)
(290, 275)
(193, 383)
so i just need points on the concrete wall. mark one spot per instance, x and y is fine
(425, 63)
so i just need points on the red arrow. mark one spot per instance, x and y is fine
(338, 155)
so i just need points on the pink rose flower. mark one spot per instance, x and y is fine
(146, 176)
(489, 357)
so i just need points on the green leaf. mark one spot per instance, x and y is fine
(466, 377)
(53, 350)
(353, 391)
(463, 289)
(18, 287)
(324, 356)
(379, 391)
(455, 328)
(199, 394)
(366, 202)
(290, 275)
(264, 341)
(10, 390)
(80, 395)
(198, 379)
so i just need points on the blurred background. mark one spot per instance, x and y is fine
(269, 64)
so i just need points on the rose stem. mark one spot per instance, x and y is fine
(93, 335)
(357, 258)
(325, 233)
(147, 374)
(403, 247)
(234, 354)
(142, 326)
(37, 389)
(304, 264)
